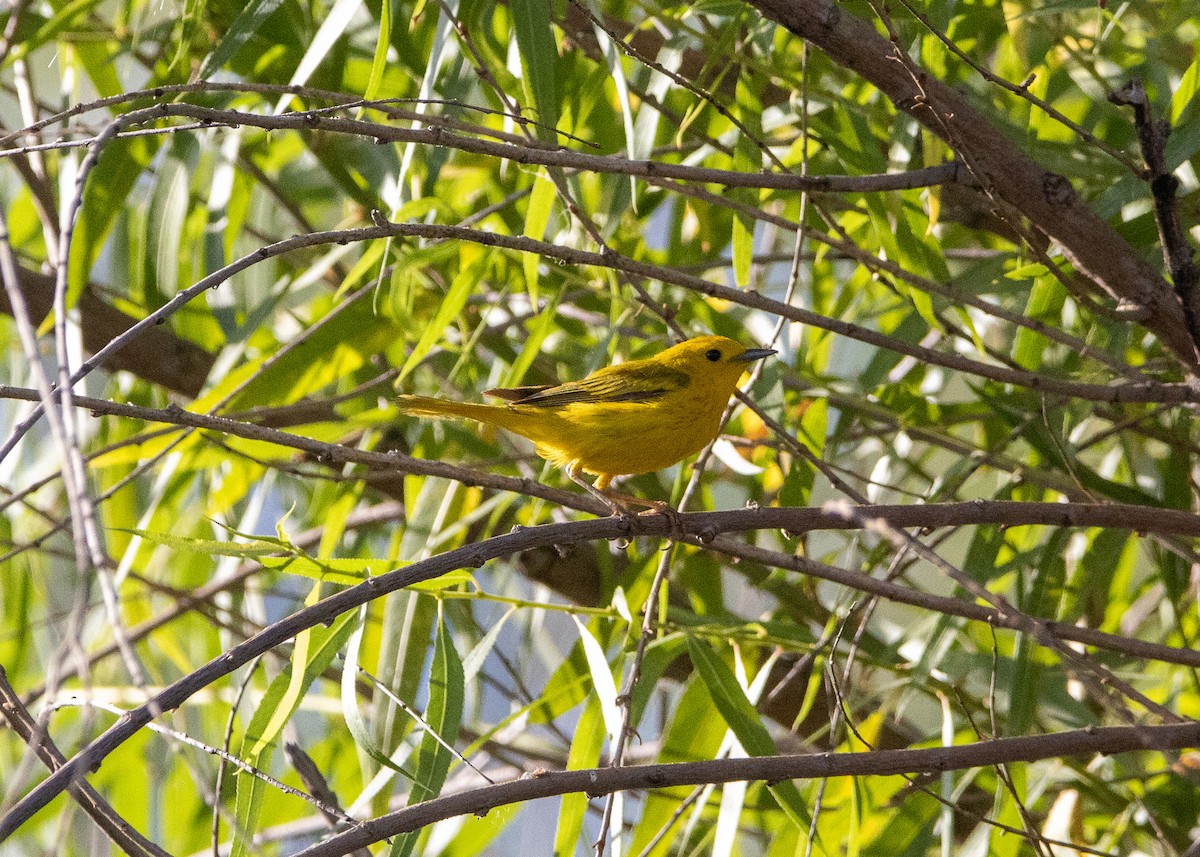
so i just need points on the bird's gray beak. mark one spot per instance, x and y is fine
(753, 354)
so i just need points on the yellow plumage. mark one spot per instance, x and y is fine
(635, 417)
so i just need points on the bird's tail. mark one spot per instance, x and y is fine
(495, 415)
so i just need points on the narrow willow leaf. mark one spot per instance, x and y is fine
(96, 58)
(617, 74)
(535, 42)
(352, 713)
(379, 61)
(104, 197)
(452, 304)
(744, 721)
(729, 814)
(1045, 303)
(541, 202)
(1043, 603)
(245, 550)
(352, 571)
(333, 26)
(443, 716)
(742, 241)
(1027, 272)
(358, 273)
(539, 329)
(65, 17)
(1189, 85)
(313, 652)
(660, 654)
(244, 26)
(602, 680)
(745, 159)
(585, 753)
(475, 658)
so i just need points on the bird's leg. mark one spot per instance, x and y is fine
(620, 502)
(598, 491)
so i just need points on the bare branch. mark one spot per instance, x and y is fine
(533, 152)
(598, 781)
(1004, 171)
(157, 356)
(120, 831)
(1177, 253)
(703, 527)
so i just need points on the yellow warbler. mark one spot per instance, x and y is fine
(635, 417)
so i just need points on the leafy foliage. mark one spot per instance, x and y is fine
(316, 204)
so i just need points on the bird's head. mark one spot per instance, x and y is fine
(715, 360)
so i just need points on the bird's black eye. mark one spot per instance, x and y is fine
(713, 354)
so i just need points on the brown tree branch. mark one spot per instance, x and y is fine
(1125, 392)
(599, 781)
(531, 152)
(1142, 519)
(120, 831)
(707, 527)
(703, 527)
(1021, 91)
(157, 356)
(1005, 172)
(1177, 253)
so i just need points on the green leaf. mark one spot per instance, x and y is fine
(541, 202)
(475, 658)
(333, 25)
(539, 329)
(443, 716)
(251, 549)
(1031, 271)
(352, 571)
(660, 654)
(1189, 84)
(313, 652)
(602, 680)
(585, 753)
(923, 303)
(382, 42)
(1028, 671)
(265, 551)
(96, 58)
(248, 22)
(352, 713)
(745, 723)
(104, 197)
(406, 623)
(452, 304)
(742, 241)
(612, 59)
(535, 43)
(746, 159)
(1045, 304)
(66, 16)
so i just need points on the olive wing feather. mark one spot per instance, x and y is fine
(626, 382)
(516, 394)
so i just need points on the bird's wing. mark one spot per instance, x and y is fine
(627, 382)
(516, 394)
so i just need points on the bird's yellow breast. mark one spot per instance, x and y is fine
(633, 417)
(617, 438)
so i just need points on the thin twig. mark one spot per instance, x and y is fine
(702, 526)
(597, 781)
(224, 756)
(1022, 90)
(1177, 251)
